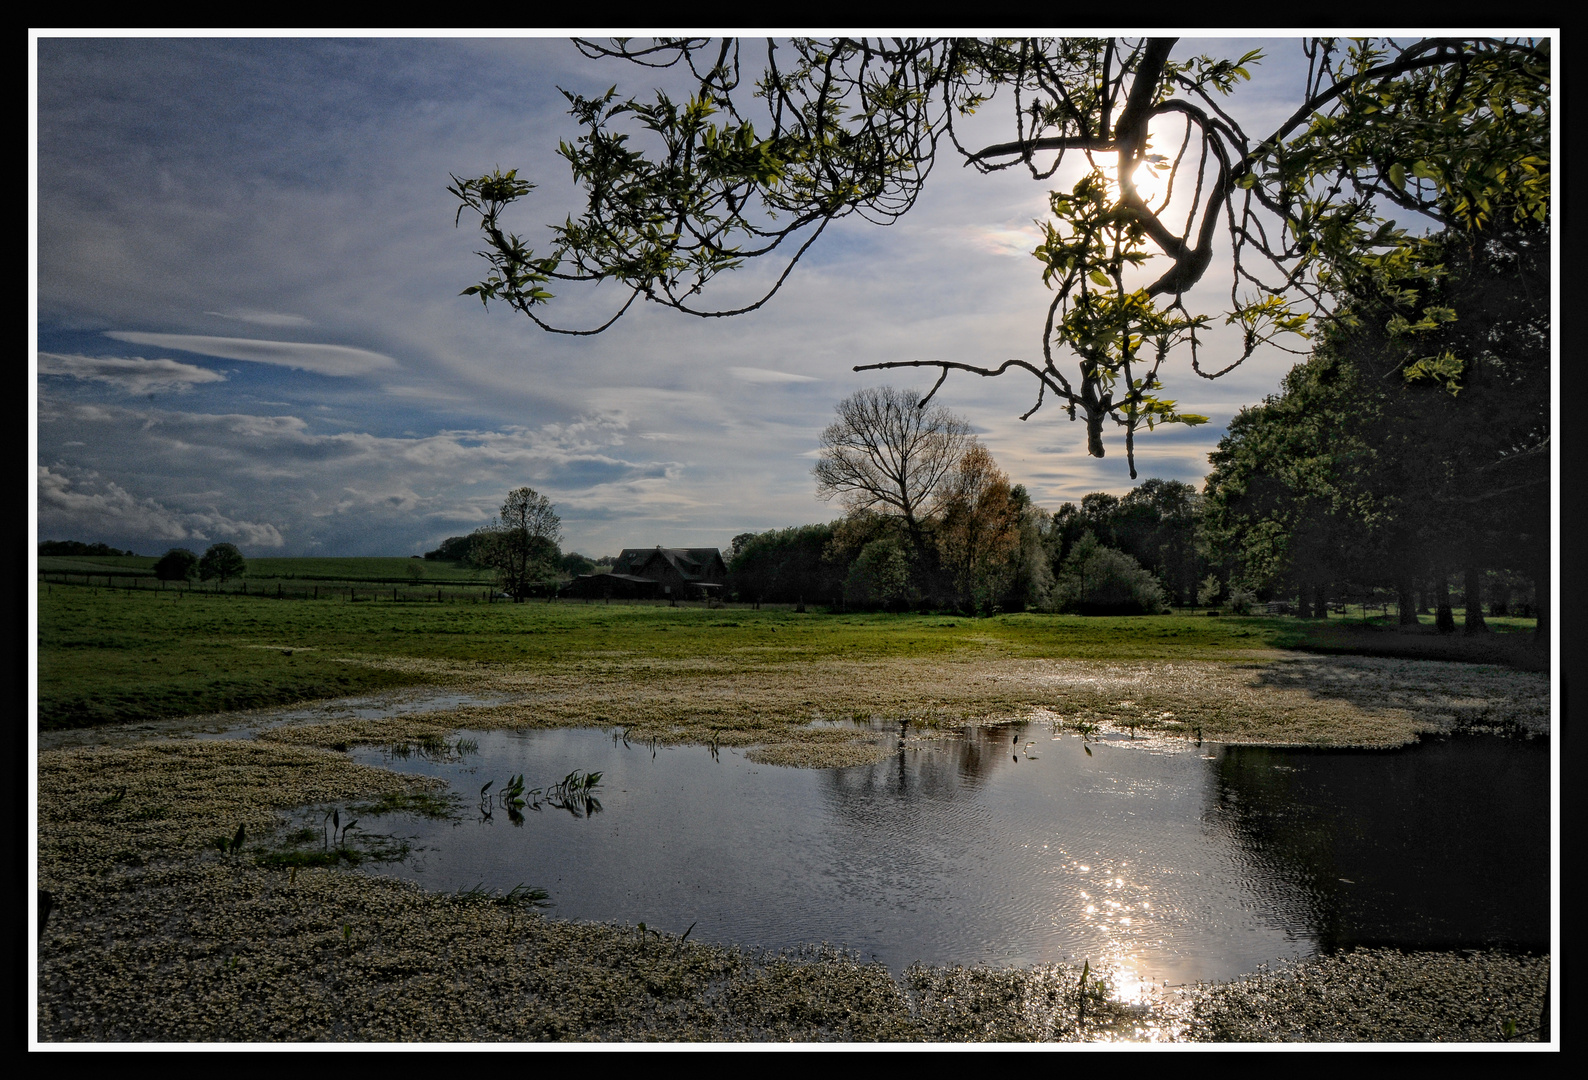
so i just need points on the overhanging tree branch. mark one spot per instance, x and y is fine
(679, 192)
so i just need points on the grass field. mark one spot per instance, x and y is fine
(118, 655)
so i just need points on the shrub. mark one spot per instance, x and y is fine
(178, 564)
(1096, 580)
(1241, 600)
(1208, 591)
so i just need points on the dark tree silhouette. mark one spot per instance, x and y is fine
(222, 561)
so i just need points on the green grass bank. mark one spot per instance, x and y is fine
(119, 655)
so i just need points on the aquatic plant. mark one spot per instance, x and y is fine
(433, 747)
(337, 837)
(573, 793)
(1097, 993)
(518, 897)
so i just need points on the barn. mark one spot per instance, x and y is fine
(657, 574)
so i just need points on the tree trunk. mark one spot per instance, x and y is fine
(1407, 615)
(1303, 605)
(1473, 587)
(1094, 433)
(1444, 619)
(1320, 600)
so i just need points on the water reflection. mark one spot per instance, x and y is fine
(1014, 845)
(1440, 846)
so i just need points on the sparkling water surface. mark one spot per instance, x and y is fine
(1013, 845)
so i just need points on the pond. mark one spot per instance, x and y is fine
(1015, 845)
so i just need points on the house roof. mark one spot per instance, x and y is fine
(690, 563)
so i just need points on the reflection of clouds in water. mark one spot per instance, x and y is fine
(950, 852)
(1087, 857)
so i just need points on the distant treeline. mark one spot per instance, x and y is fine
(1107, 556)
(470, 551)
(77, 547)
(1161, 544)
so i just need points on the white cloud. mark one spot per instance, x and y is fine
(762, 375)
(263, 318)
(131, 374)
(352, 490)
(337, 360)
(208, 182)
(88, 505)
(1005, 241)
(423, 393)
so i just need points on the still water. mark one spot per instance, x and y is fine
(1012, 845)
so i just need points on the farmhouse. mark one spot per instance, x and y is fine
(657, 573)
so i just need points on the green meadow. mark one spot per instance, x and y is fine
(120, 655)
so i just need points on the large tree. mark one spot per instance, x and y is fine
(888, 453)
(764, 153)
(521, 545)
(222, 561)
(978, 530)
(1414, 443)
(177, 564)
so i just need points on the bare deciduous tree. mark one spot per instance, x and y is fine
(885, 452)
(522, 546)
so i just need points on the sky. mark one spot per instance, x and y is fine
(249, 327)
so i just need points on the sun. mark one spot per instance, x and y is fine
(1150, 177)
